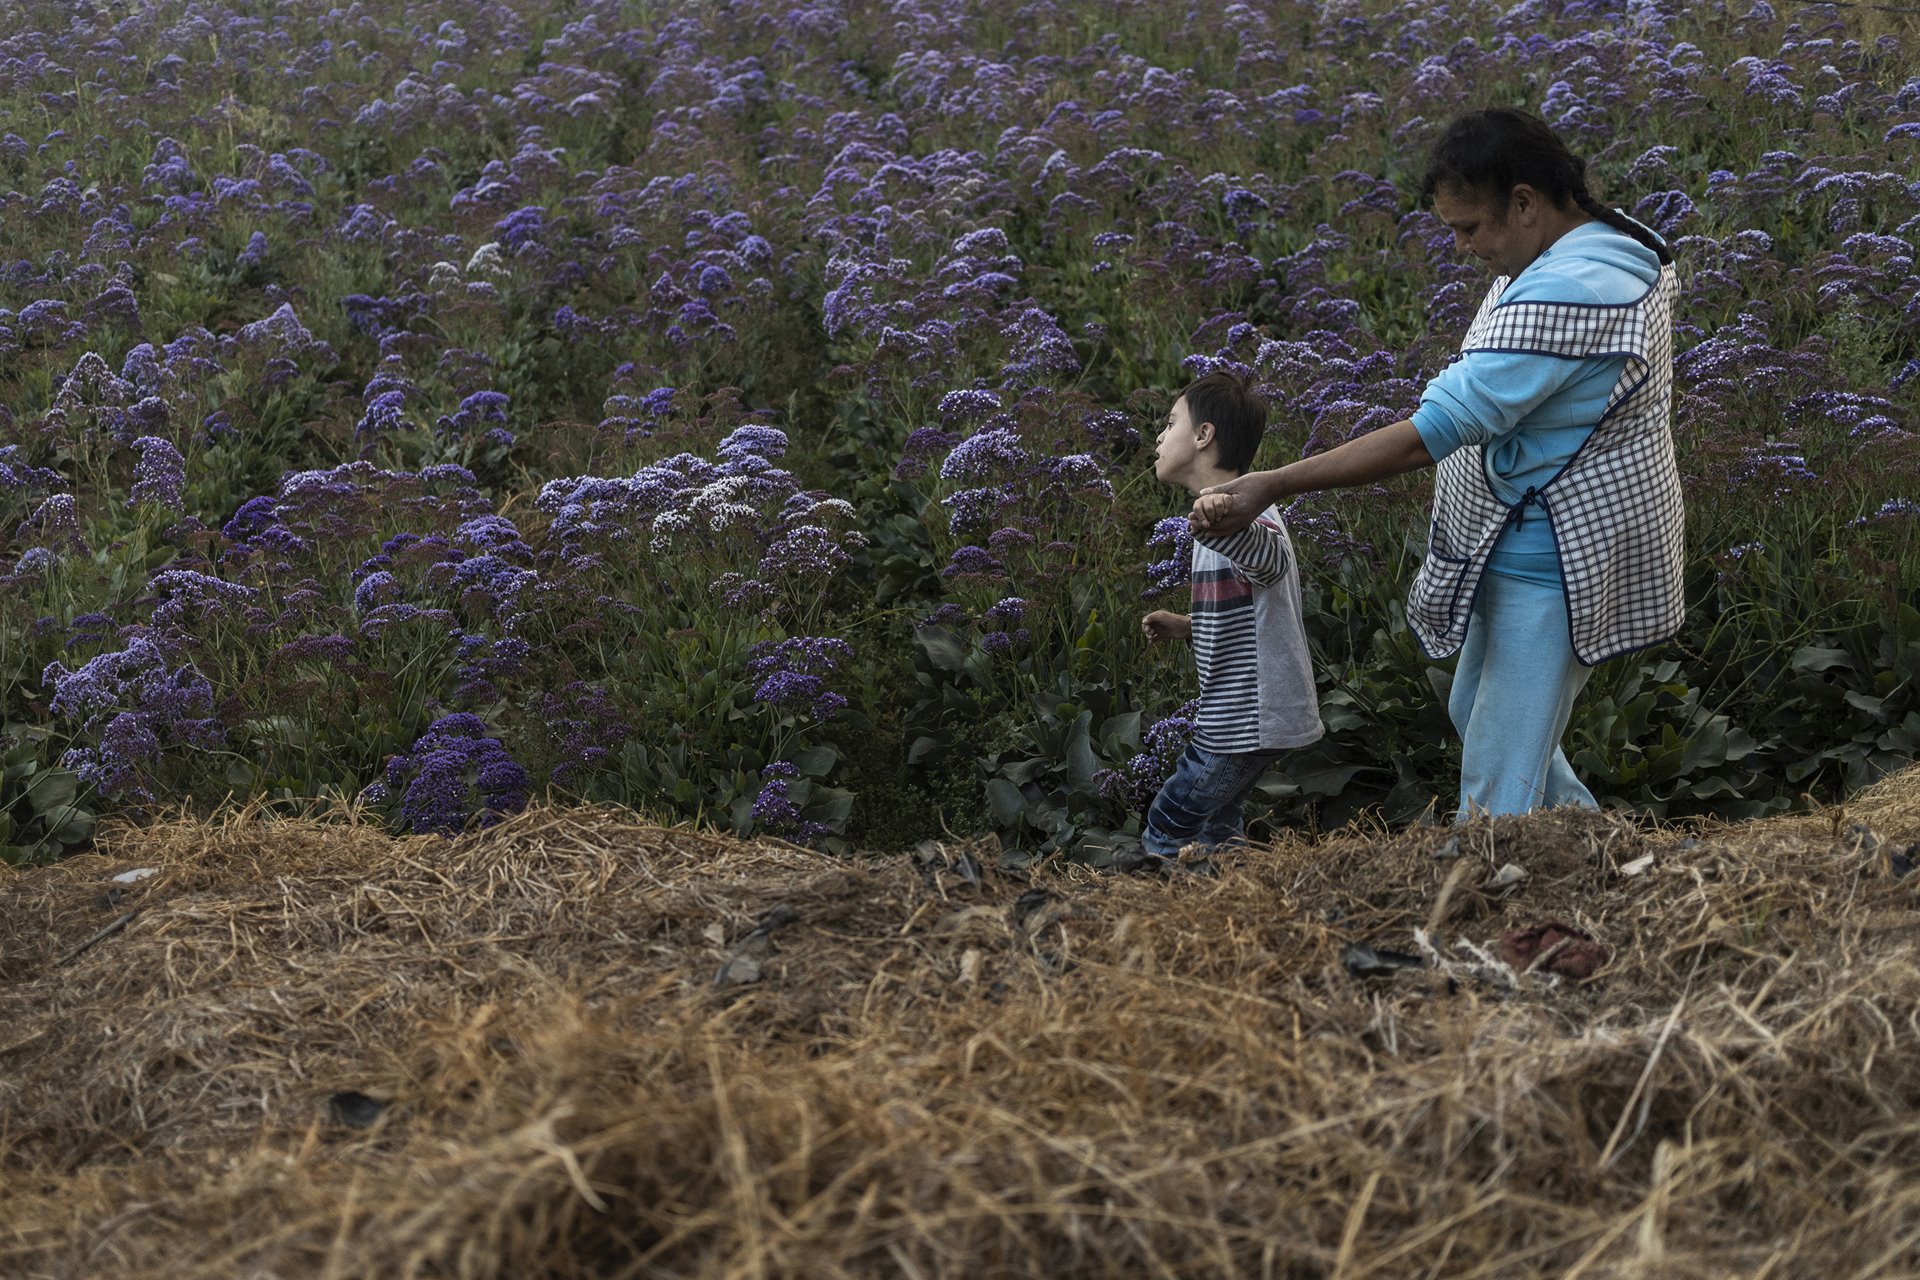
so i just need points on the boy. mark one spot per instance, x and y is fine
(1257, 696)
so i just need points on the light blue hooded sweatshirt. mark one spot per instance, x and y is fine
(1533, 412)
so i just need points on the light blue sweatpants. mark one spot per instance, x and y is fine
(1512, 696)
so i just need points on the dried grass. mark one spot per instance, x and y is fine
(1084, 1075)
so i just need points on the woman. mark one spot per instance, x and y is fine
(1558, 533)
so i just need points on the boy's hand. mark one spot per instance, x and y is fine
(1161, 625)
(1223, 509)
(1210, 509)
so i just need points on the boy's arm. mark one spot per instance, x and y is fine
(1259, 551)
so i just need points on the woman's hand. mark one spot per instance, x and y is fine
(1223, 509)
(1161, 625)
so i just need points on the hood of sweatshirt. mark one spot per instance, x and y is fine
(1592, 259)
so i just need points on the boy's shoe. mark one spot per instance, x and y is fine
(1140, 862)
(1134, 860)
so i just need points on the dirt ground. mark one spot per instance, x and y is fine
(580, 1046)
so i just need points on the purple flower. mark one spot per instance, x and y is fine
(919, 446)
(1174, 535)
(493, 533)
(255, 254)
(18, 475)
(376, 589)
(1891, 509)
(774, 810)
(1040, 348)
(120, 766)
(809, 551)
(977, 509)
(791, 675)
(1136, 783)
(1081, 473)
(487, 582)
(752, 441)
(139, 704)
(586, 724)
(55, 524)
(282, 334)
(329, 650)
(1008, 612)
(1782, 467)
(1665, 211)
(34, 562)
(376, 621)
(981, 456)
(189, 597)
(254, 515)
(971, 562)
(483, 412)
(958, 407)
(386, 414)
(160, 476)
(521, 227)
(454, 769)
(44, 323)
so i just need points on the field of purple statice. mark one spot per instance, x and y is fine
(735, 411)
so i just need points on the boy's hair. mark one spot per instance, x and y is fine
(1238, 414)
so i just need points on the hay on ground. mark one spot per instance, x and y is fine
(576, 1045)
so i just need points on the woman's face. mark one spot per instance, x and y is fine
(1506, 239)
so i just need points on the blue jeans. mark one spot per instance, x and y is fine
(1204, 802)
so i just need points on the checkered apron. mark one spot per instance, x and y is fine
(1615, 508)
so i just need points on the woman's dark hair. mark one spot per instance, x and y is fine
(1238, 414)
(1489, 152)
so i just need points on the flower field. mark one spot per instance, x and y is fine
(734, 412)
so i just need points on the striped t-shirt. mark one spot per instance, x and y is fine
(1256, 680)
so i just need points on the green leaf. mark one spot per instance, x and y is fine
(1706, 746)
(1861, 702)
(1004, 798)
(924, 747)
(740, 813)
(54, 790)
(942, 648)
(1324, 780)
(831, 805)
(1813, 658)
(1081, 762)
(1021, 772)
(75, 830)
(815, 762)
(1122, 730)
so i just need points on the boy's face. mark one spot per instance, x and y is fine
(1179, 444)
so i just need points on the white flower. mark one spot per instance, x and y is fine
(488, 258)
(665, 525)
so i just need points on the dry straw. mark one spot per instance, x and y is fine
(576, 1045)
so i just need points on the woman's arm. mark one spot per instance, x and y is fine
(1376, 456)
